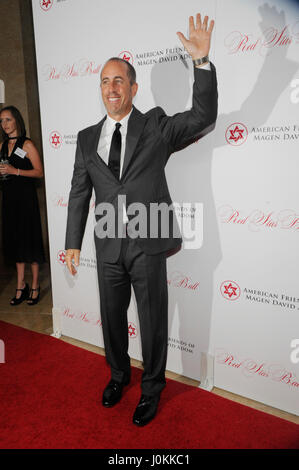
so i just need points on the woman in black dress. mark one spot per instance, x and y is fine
(22, 235)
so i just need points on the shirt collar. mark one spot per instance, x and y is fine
(110, 123)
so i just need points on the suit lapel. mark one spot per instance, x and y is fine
(97, 138)
(135, 127)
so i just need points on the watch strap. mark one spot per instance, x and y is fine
(203, 60)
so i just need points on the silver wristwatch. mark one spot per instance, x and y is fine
(203, 60)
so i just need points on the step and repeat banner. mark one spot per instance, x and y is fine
(233, 291)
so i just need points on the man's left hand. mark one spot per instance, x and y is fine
(198, 44)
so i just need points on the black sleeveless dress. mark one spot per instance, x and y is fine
(21, 224)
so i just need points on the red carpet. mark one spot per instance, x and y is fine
(50, 398)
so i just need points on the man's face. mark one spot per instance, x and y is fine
(117, 91)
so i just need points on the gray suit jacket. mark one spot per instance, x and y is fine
(151, 138)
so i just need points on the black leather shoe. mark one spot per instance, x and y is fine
(146, 409)
(112, 393)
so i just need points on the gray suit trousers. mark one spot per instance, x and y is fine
(147, 275)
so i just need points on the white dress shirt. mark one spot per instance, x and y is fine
(106, 137)
(105, 143)
(206, 66)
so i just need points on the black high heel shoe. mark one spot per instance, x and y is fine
(34, 301)
(23, 296)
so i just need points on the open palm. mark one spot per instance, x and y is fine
(198, 44)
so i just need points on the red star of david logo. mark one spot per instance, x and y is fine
(46, 3)
(61, 257)
(236, 134)
(126, 55)
(55, 139)
(230, 290)
(132, 330)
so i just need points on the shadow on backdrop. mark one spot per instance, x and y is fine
(189, 172)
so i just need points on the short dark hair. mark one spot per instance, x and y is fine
(131, 72)
(19, 121)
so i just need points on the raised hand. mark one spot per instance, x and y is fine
(198, 44)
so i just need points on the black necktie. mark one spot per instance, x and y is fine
(114, 154)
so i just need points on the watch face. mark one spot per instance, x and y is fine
(201, 61)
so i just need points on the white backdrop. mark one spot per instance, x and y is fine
(234, 302)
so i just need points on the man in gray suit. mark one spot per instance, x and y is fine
(123, 158)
